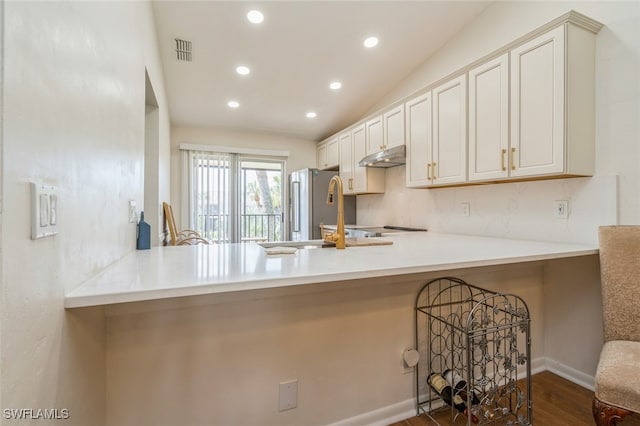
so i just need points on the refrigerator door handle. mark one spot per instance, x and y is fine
(295, 206)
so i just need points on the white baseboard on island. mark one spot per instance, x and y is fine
(382, 416)
(405, 409)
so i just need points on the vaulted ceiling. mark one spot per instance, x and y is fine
(293, 56)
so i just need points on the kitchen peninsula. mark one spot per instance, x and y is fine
(220, 268)
(235, 322)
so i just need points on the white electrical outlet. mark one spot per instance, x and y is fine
(288, 395)
(466, 209)
(561, 209)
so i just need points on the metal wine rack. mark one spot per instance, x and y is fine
(485, 337)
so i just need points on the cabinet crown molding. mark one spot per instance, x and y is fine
(582, 21)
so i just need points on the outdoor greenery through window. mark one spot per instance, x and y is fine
(235, 197)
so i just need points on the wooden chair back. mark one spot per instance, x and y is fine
(180, 238)
(171, 223)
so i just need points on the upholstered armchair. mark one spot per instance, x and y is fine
(617, 381)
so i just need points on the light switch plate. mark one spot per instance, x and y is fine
(133, 214)
(44, 210)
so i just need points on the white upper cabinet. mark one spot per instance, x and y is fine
(327, 154)
(356, 179)
(385, 131)
(347, 162)
(489, 120)
(365, 180)
(394, 127)
(538, 99)
(524, 112)
(449, 151)
(419, 141)
(333, 153)
(553, 103)
(374, 135)
(321, 155)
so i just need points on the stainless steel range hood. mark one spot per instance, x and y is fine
(391, 157)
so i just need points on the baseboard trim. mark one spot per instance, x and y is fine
(405, 409)
(382, 416)
(578, 377)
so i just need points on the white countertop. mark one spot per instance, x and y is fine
(165, 272)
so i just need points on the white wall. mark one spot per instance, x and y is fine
(524, 210)
(73, 117)
(302, 153)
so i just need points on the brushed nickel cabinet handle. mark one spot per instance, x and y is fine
(428, 171)
(513, 164)
(433, 169)
(503, 153)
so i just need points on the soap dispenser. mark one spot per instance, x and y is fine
(143, 241)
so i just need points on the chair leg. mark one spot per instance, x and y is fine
(607, 415)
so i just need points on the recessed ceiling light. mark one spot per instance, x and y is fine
(311, 114)
(243, 70)
(371, 42)
(233, 104)
(335, 85)
(255, 16)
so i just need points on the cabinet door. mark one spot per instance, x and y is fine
(365, 180)
(358, 139)
(374, 135)
(394, 127)
(537, 105)
(418, 139)
(333, 153)
(346, 162)
(449, 163)
(489, 120)
(321, 156)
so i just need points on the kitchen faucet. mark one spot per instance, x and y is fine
(337, 237)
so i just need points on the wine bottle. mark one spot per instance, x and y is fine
(443, 388)
(460, 386)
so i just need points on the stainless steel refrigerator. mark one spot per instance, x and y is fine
(308, 206)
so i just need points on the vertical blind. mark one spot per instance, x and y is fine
(210, 179)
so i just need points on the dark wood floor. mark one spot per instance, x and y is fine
(556, 402)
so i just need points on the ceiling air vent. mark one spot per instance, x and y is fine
(183, 50)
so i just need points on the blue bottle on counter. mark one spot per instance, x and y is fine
(144, 234)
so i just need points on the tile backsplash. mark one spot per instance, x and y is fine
(521, 210)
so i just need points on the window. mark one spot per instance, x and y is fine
(234, 197)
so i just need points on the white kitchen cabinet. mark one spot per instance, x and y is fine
(321, 155)
(374, 131)
(552, 104)
(489, 120)
(537, 91)
(449, 152)
(327, 154)
(419, 141)
(393, 127)
(347, 162)
(366, 180)
(385, 130)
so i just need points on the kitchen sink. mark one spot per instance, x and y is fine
(300, 245)
(313, 244)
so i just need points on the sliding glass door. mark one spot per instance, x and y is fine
(235, 197)
(261, 212)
